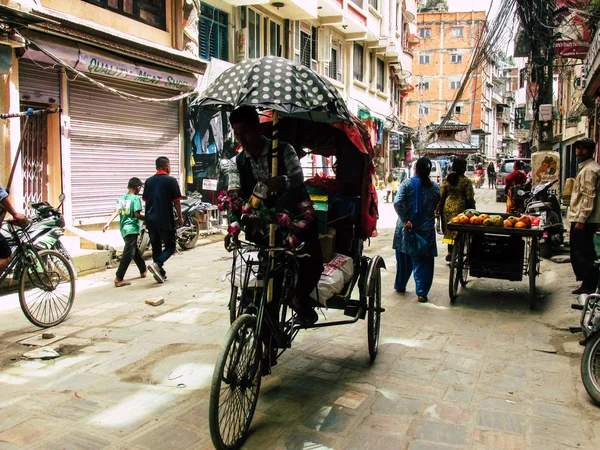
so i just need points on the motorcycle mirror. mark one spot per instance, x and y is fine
(61, 197)
(520, 192)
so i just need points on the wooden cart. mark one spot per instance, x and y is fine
(494, 252)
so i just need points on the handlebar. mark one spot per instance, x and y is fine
(237, 244)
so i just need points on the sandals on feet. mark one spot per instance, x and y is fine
(121, 283)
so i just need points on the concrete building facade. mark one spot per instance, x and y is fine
(447, 42)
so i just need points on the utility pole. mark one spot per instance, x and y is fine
(542, 69)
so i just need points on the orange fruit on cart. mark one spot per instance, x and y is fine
(526, 220)
(474, 220)
(508, 223)
(520, 224)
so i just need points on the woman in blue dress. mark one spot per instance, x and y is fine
(415, 204)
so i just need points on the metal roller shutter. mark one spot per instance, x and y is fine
(114, 139)
(38, 85)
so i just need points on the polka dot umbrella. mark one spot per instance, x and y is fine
(278, 84)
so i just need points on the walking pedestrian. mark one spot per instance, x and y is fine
(388, 187)
(161, 194)
(415, 205)
(129, 210)
(584, 216)
(456, 195)
(491, 173)
(395, 186)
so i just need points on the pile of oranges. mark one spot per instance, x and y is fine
(518, 222)
(473, 217)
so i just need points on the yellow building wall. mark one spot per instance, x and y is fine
(107, 18)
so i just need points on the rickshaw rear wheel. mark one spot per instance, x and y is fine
(233, 304)
(374, 315)
(235, 384)
(456, 262)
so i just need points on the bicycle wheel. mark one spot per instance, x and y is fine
(235, 385)
(455, 267)
(51, 290)
(374, 316)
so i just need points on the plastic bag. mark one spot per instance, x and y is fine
(415, 243)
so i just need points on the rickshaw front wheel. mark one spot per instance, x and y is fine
(374, 315)
(235, 384)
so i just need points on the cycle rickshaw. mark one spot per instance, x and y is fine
(239, 368)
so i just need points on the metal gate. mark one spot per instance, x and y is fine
(34, 157)
(114, 139)
(39, 86)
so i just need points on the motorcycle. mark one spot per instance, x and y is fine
(478, 180)
(47, 226)
(545, 205)
(186, 234)
(589, 305)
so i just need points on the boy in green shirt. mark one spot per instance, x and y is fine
(129, 208)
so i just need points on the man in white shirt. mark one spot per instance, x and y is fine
(584, 216)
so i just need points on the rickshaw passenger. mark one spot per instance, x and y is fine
(286, 191)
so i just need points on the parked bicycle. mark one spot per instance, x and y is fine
(46, 278)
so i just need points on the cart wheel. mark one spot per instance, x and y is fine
(235, 385)
(464, 269)
(374, 314)
(456, 267)
(533, 266)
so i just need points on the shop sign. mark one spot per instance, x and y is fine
(97, 64)
(590, 59)
(209, 185)
(475, 140)
(394, 141)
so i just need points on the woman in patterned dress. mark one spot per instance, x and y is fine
(456, 195)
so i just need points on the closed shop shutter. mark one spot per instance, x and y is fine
(114, 139)
(38, 85)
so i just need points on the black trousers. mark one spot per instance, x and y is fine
(583, 254)
(130, 251)
(159, 237)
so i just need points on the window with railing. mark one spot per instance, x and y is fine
(456, 32)
(455, 85)
(150, 12)
(424, 59)
(423, 109)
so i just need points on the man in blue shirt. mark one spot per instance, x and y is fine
(161, 194)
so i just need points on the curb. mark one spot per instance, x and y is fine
(97, 260)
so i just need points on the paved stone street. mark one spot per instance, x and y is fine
(486, 373)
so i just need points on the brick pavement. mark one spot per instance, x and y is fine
(484, 374)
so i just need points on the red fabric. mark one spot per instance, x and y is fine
(515, 178)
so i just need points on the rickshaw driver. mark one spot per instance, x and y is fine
(286, 191)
